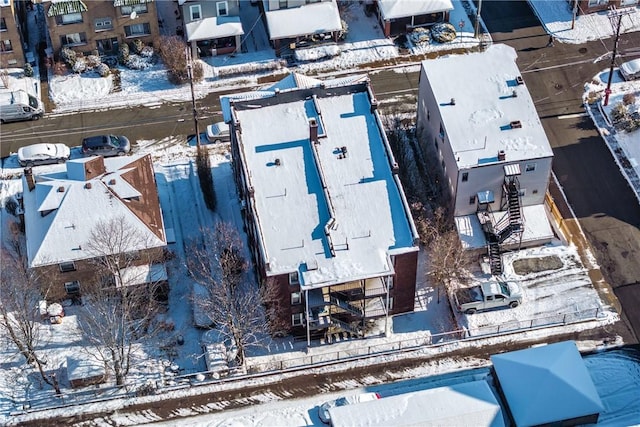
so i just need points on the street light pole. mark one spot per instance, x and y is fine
(193, 95)
(615, 16)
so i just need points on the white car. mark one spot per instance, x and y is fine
(323, 411)
(218, 132)
(43, 154)
(631, 70)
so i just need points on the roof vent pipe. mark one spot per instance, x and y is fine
(453, 101)
(313, 131)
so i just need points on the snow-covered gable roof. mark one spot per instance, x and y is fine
(466, 404)
(314, 18)
(213, 28)
(546, 384)
(393, 9)
(332, 210)
(477, 122)
(72, 207)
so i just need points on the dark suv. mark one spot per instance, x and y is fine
(106, 145)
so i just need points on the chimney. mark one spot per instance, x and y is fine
(501, 155)
(313, 131)
(61, 189)
(374, 105)
(28, 176)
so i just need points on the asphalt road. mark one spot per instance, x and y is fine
(601, 198)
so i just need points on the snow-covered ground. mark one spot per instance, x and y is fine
(184, 212)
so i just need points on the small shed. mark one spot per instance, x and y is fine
(84, 371)
(547, 385)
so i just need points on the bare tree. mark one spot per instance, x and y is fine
(447, 258)
(230, 299)
(21, 290)
(273, 302)
(119, 309)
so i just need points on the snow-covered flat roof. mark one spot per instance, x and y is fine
(314, 18)
(141, 274)
(466, 404)
(73, 207)
(488, 97)
(392, 9)
(84, 368)
(332, 210)
(213, 28)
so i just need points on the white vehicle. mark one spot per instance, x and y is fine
(43, 154)
(631, 70)
(218, 132)
(323, 411)
(487, 295)
(19, 105)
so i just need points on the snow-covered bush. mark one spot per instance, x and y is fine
(420, 36)
(443, 32)
(60, 68)
(619, 113)
(123, 53)
(137, 62)
(629, 99)
(28, 70)
(68, 56)
(80, 65)
(103, 70)
(93, 61)
(137, 46)
(147, 52)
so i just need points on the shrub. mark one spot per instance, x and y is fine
(80, 66)
(117, 80)
(68, 56)
(619, 113)
(147, 52)
(28, 70)
(123, 53)
(629, 99)
(60, 68)
(137, 46)
(93, 61)
(205, 176)
(103, 70)
(172, 52)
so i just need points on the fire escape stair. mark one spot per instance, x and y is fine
(352, 330)
(346, 306)
(495, 258)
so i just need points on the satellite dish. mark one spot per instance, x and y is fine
(133, 15)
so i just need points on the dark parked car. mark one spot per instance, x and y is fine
(106, 145)
(43, 154)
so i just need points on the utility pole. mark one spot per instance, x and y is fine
(574, 12)
(193, 95)
(615, 17)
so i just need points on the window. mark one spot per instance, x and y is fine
(73, 39)
(294, 279)
(428, 115)
(593, 3)
(282, 4)
(223, 8)
(435, 141)
(69, 18)
(472, 200)
(66, 267)
(195, 12)
(534, 192)
(137, 8)
(530, 167)
(5, 46)
(523, 192)
(441, 131)
(465, 176)
(72, 288)
(296, 298)
(3, 24)
(137, 30)
(390, 306)
(297, 319)
(102, 24)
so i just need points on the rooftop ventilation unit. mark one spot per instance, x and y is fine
(519, 80)
(112, 182)
(516, 124)
(60, 189)
(277, 162)
(502, 155)
(87, 186)
(453, 101)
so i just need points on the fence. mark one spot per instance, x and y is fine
(275, 367)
